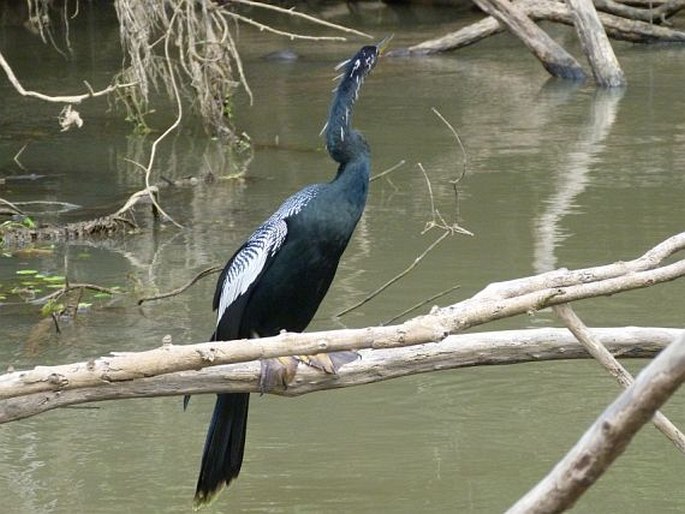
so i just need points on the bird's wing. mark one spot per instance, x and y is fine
(252, 259)
(248, 263)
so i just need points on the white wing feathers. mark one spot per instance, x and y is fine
(250, 261)
(265, 242)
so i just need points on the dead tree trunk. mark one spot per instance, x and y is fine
(593, 38)
(634, 24)
(553, 57)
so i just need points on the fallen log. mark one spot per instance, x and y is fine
(557, 61)
(618, 28)
(605, 68)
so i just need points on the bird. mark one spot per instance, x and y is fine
(276, 280)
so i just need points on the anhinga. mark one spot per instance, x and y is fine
(278, 277)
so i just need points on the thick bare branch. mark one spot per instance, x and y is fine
(606, 439)
(604, 357)
(615, 26)
(651, 12)
(595, 43)
(559, 287)
(463, 350)
(557, 61)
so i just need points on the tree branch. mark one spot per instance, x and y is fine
(603, 356)
(463, 350)
(595, 43)
(615, 26)
(608, 436)
(557, 61)
(494, 302)
(68, 99)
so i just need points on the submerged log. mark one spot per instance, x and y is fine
(619, 28)
(605, 67)
(557, 61)
(19, 236)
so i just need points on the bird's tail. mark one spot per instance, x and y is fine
(224, 446)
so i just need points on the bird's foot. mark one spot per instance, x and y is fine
(329, 362)
(277, 373)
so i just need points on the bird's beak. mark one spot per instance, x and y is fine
(383, 44)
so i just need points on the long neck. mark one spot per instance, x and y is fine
(345, 144)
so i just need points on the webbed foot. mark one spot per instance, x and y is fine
(279, 372)
(329, 362)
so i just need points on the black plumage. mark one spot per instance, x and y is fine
(279, 276)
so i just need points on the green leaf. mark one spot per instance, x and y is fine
(27, 272)
(51, 307)
(55, 278)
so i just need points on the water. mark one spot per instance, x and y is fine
(558, 175)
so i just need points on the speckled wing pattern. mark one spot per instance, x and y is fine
(249, 262)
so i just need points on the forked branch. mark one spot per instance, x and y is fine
(608, 436)
(507, 299)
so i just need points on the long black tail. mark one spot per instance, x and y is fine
(224, 446)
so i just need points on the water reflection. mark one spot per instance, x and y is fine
(572, 177)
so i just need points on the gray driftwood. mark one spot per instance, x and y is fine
(608, 436)
(617, 27)
(605, 67)
(557, 61)
(458, 351)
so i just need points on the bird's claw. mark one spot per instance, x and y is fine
(329, 362)
(276, 373)
(279, 372)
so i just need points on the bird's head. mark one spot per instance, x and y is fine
(356, 69)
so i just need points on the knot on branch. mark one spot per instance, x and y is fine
(58, 380)
(208, 354)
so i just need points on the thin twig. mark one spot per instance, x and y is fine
(239, 65)
(179, 290)
(292, 12)
(396, 277)
(68, 99)
(437, 220)
(458, 179)
(72, 287)
(461, 145)
(12, 206)
(388, 171)
(291, 35)
(421, 304)
(153, 150)
(135, 197)
(16, 157)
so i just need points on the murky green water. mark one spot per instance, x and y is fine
(558, 175)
